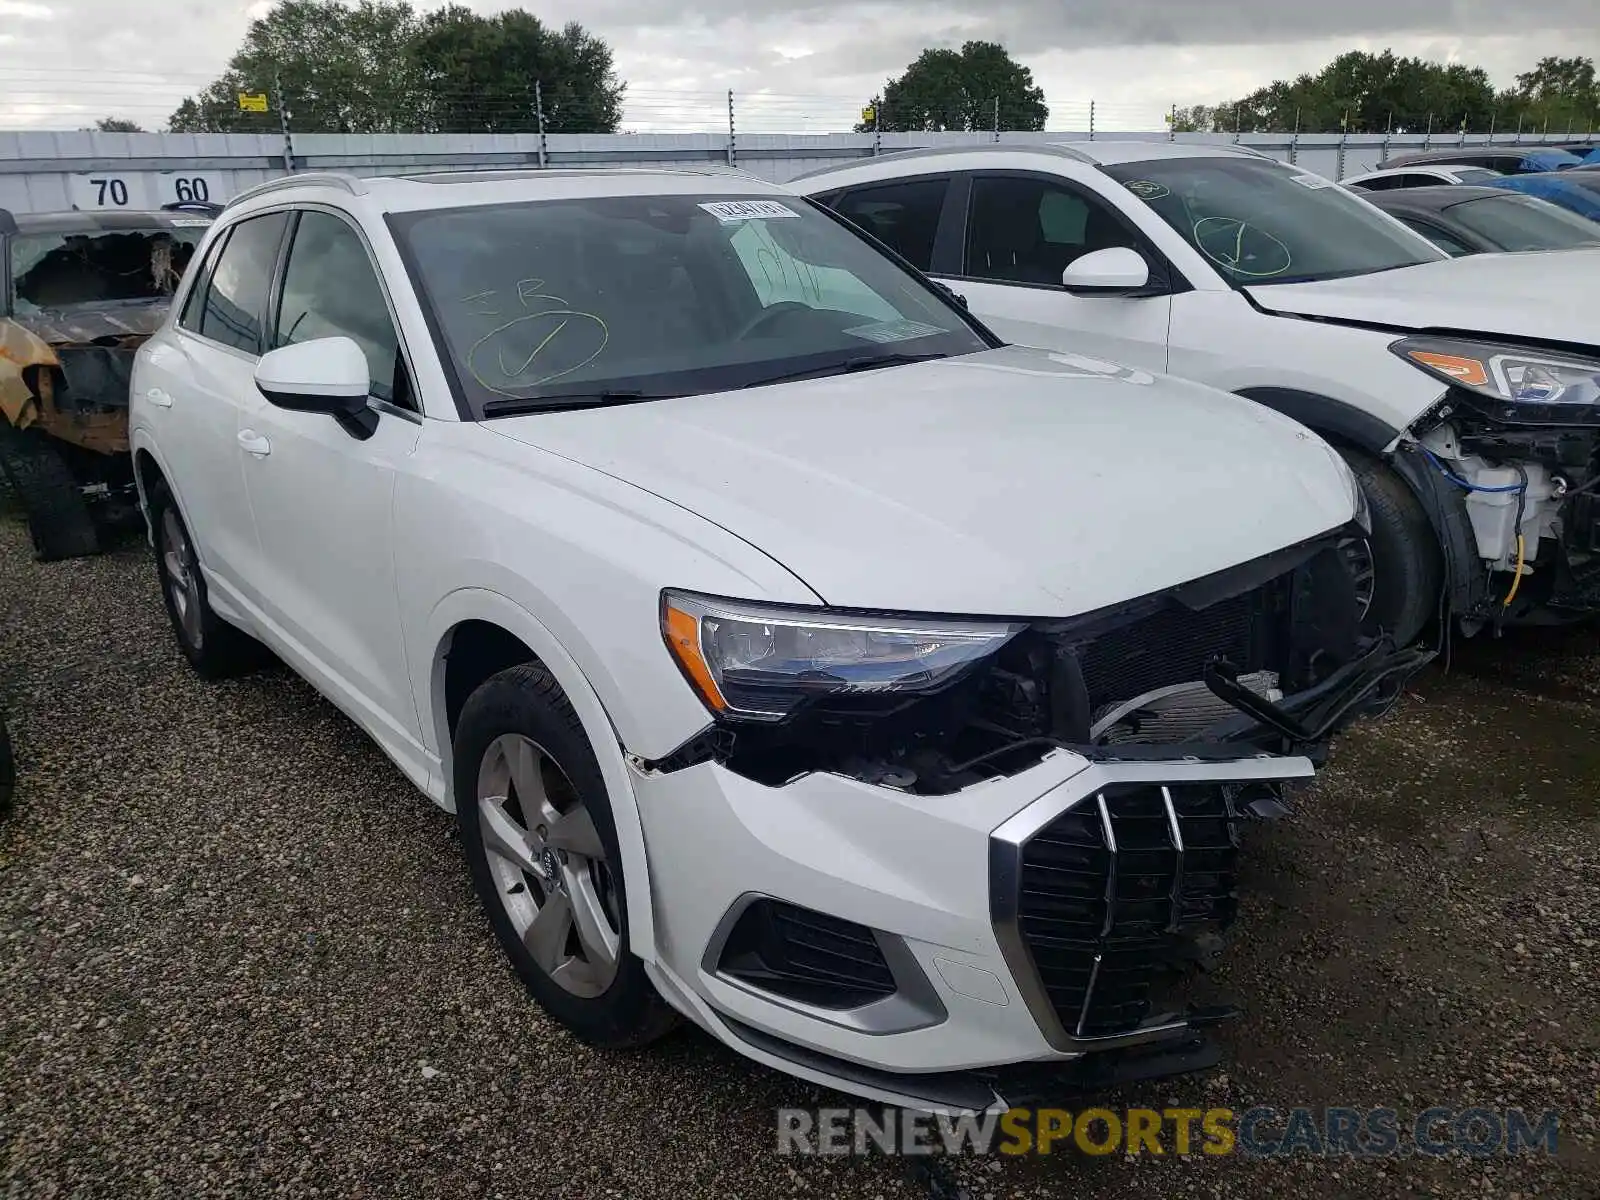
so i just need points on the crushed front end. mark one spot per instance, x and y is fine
(1001, 888)
(1512, 454)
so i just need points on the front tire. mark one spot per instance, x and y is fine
(214, 648)
(1407, 566)
(541, 844)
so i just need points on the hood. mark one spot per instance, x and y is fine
(1549, 296)
(1009, 482)
(85, 323)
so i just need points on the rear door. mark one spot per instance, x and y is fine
(193, 386)
(1021, 232)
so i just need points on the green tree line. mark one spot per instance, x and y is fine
(381, 67)
(1383, 93)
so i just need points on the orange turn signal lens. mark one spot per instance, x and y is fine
(682, 633)
(1467, 371)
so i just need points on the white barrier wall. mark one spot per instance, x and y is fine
(48, 172)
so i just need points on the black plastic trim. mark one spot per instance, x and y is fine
(1325, 414)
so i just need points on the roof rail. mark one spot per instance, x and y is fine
(353, 184)
(980, 148)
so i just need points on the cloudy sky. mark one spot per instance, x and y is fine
(64, 62)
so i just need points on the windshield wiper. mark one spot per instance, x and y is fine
(848, 366)
(568, 401)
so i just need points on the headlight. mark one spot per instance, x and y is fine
(1509, 374)
(758, 662)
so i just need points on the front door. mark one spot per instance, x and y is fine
(323, 498)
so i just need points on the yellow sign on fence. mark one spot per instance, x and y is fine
(253, 103)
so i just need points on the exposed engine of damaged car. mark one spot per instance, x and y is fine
(1516, 441)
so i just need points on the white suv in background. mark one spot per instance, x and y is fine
(794, 656)
(1463, 391)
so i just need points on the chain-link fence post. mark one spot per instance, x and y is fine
(1091, 120)
(1172, 124)
(1517, 141)
(733, 154)
(538, 109)
(1294, 140)
(283, 121)
(1427, 138)
(995, 104)
(1236, 123)
(877, 129)
(1344, 137)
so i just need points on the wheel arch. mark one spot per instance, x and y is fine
(484, 632)
(1345, 426)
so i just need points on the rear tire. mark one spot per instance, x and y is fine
(214, 648)
(1407, 565)
(59, 520)
(541, 844)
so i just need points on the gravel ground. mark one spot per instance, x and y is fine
(239, 954)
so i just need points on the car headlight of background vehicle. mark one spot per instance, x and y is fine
(759, 662)
(1510, 374)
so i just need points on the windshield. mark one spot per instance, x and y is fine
(1524, 223)
(1260, 222)
(54, 271)
(641, 297)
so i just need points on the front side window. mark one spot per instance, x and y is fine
(237, 296)
(1259, 222)
(1451, 246)
(903, 216)
(617, 298)
(1023, 229)
(330, 289)
(1514, 222)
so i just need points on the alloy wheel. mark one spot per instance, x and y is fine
(1357, 554)
(181, 576)
(549, 865)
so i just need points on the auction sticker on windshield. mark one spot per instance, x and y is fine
(893, 331)
(728, 211)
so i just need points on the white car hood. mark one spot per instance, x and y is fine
(1010, 482)
(1551, 296)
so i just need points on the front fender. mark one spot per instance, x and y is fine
(467, 604)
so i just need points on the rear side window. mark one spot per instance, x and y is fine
(237, 296)
(903, 216)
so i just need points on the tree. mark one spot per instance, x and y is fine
(946, 89)
(475, 73)
(1558, 94)
(117, 125)
(377, 67)
(1197, 118)
(1368, 93)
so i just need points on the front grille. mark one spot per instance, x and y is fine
(1173, 644)
(806, 955)
(1122, 893)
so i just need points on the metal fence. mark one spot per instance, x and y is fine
(52, 171)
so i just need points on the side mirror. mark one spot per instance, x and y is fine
(1107, 272)
(326, 375)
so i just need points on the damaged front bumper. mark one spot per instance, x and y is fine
(1006, 892)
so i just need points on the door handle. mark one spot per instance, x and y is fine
(254, 443)
(159, 398)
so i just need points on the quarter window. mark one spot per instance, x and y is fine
(330, 289)
(237, 295)
(1026, 230)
